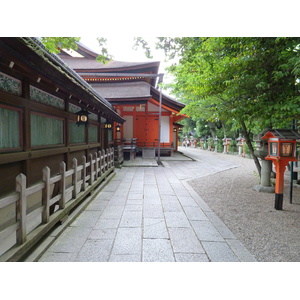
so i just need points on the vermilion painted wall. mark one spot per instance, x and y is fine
(142, 122)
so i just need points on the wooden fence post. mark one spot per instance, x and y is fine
(108, 158)
(46, 195)
(112, 156)
(103, 161)
(96, 166)
(107, 161)
(21, 208)
(100, 162)
(62, 202)
(75, 178)
(91, 169)
(83, 172)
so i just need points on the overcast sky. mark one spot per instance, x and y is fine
(121, 48)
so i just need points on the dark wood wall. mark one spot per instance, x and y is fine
(25, 157)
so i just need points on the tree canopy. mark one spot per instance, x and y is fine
(249, 79)
(251, 83)
(56, 44)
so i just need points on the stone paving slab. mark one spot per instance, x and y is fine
(157, 250)
(128, 241)
(151, 214)
(155, 229)
(219, 252)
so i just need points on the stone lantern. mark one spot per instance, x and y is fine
(240, 143)
(261, 152)
(226, 144)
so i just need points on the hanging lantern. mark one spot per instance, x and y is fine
(118, 128)
(107, 125)
(82, 117)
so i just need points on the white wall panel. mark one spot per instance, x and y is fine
(165, 129)
(128, 127)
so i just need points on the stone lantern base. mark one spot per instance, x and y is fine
(264, 189)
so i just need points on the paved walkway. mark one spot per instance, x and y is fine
(151, 214)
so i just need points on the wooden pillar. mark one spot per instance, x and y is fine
(62, 202)
(21, 208)
(75, 178)
(46, 195)
(83, 173)
(280, 166)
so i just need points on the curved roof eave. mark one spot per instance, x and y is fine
(167, 99)
(57, 63)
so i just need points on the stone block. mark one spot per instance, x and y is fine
(155, 229)
(157, 250)
(86, 219)
(195, 213)
(104, 233)
(107, 223)
(112, 212)
(131, 219)
(176, 219)
(153, 211)
(187, 201)
(125, 258)
(206, 231)
(240, 250)
(95, 250)
(71, 240)
(128, 241)
(219, 252)
(220, 226)
(184, 240)
(190, 257)
(58, 257)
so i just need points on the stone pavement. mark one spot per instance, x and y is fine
(151, 214)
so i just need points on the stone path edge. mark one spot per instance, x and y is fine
(236, 246)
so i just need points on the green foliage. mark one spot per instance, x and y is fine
(104, 57)
(140, 42)
(233, 146)
(55, 44)
(237, 80)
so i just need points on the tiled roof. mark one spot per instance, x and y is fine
(123, 89)
(37, 46)
(283, 133)
(81, 63)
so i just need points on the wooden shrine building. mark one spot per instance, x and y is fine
(39, 98)
(131, 87)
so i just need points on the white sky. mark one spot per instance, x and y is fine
(121, 48)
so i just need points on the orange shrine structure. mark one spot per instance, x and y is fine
(132, 88)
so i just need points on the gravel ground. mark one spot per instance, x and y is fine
(270, 235)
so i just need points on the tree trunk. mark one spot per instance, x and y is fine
(249, 144)
(212, 128)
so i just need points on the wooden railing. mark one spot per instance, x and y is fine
(29, 213)
(119, 156)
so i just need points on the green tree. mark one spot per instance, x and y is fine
(250, 83)
(56, 44)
